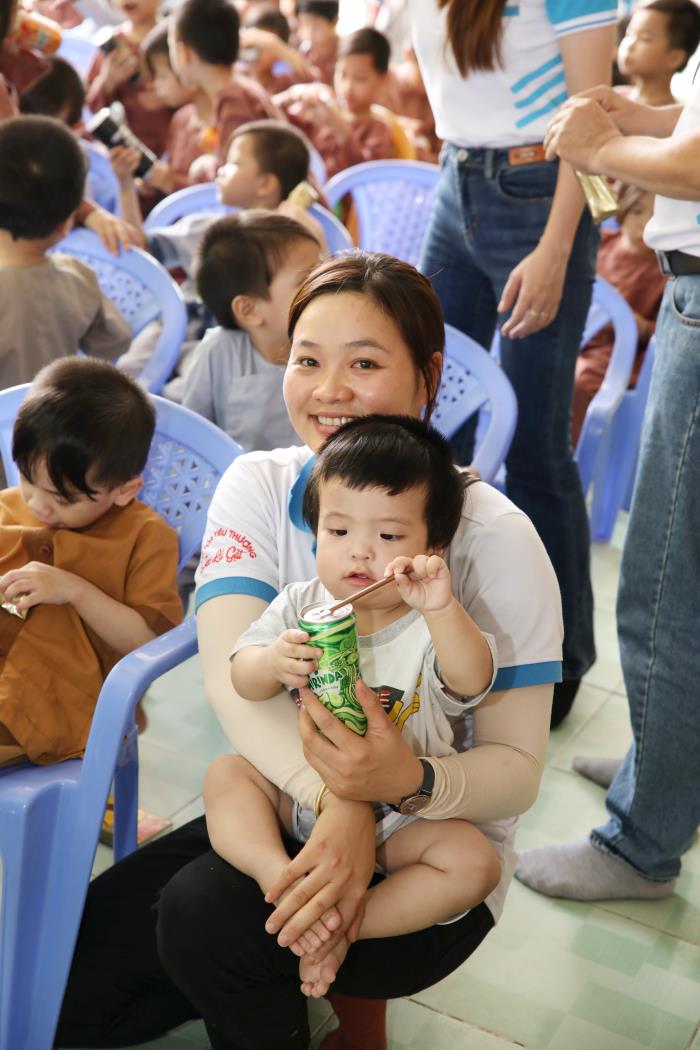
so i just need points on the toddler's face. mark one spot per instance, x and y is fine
(302, 256)
(238, 180)
(51, 509)
(357, 83)
(645, 49)
(360, 531)
(166, 85)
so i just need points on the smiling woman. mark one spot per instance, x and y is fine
(367, 336)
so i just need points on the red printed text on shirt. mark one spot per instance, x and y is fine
(218, 548)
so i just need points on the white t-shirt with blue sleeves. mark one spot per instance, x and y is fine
(256, 542)
(512, 104)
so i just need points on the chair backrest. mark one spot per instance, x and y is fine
(79, 52)
(102, 184)
(143, 291)
(392, 201)
(607, 307)
(188, 456)
(203, 198)
(473, 382)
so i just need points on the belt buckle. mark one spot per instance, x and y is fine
(526, 154)
(665, 264)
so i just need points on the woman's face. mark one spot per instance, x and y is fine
(348, 359)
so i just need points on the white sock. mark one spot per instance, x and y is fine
(601, 771)
(580, 872)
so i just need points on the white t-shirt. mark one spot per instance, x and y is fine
(234, 386)
(256, 542)
(675, 225)
(511, 105)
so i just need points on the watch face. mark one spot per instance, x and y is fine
(410, 806)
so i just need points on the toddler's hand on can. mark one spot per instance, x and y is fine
(291, 661)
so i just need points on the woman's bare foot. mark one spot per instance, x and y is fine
(316, 978)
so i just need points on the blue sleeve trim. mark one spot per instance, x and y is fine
(527, 674)
(296, 497)
(573, 10)
(233, 585)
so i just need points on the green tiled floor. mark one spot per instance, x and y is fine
(554, 975)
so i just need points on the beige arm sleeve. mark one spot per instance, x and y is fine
(265, 732)
(500, 776)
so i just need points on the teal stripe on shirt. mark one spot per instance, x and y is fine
(233, 585)
(558, 78)
(554, 103)
(529, 77)
(520, 675)
(568, 10)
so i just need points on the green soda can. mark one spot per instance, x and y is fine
(339, 667)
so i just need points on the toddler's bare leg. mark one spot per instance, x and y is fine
(245, 814)
(437, 868)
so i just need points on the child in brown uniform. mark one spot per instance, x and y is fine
(91, 567)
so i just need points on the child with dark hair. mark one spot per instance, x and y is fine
(118, 75)
(51, 305)
(346, 128)
(59, 93)
(204, 41)
(250, 267)
(660, 37)
(267, 54)
(317, 22)
(630, 266)
(87, 572)
(383, 499)
(186, 138)
(266, 159)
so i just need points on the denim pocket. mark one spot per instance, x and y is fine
(530, 183)
(685, 300)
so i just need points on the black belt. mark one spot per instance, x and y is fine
(678, 264)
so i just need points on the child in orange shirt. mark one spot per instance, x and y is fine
(87, 571)
(344, 128)
(117, 75)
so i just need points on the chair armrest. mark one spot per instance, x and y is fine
(125, 685)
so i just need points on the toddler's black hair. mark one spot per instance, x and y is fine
(83, 415)
(393, 453)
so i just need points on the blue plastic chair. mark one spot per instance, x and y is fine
(607, 306)
(203, 198)
(102, 185)
(616, 472)
(393, 200)
(143, 291)
(50, 816)
(473, 382)
(79, 52)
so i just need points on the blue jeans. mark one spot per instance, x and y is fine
(488, 215)
(654, 801)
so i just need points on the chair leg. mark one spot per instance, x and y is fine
(126, 797)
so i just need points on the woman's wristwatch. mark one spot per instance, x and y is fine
(409, 805)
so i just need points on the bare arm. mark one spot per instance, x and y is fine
(259, 671)
(122, 628)
(584, 133)
(266, 734)
(534, 289)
